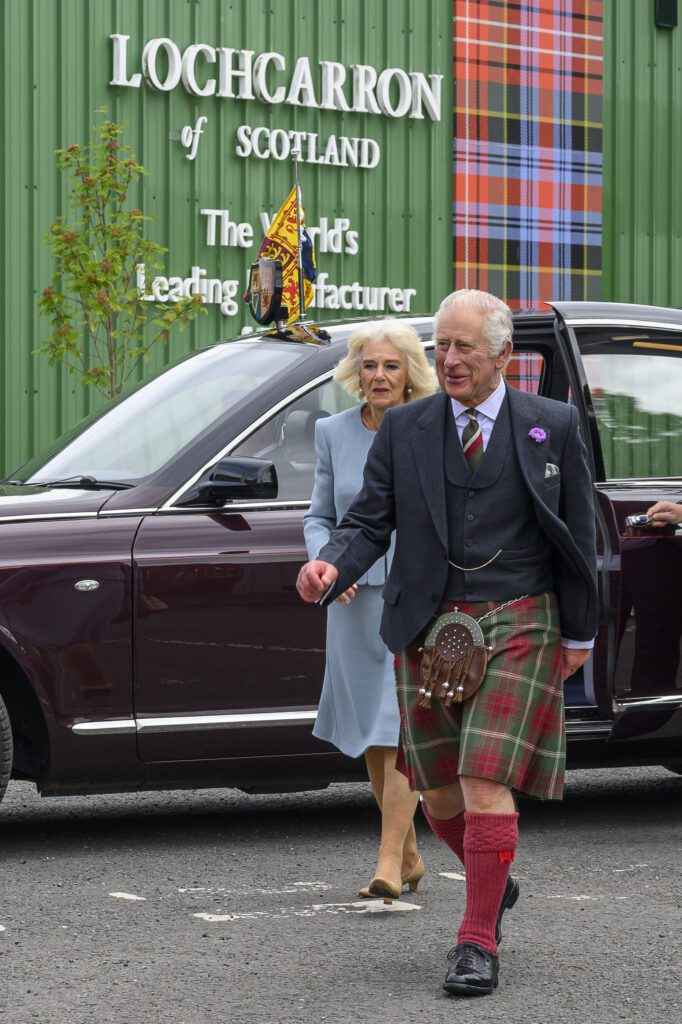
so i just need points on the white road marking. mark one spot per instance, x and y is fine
(296, 887)
(127, 896)
(2, 928)
(365, 907)
(233, 917)
(311, 885)
(460, 878)
(581, 898)
(360, 907)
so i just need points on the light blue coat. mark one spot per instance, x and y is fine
(341, 443)
(358, 705)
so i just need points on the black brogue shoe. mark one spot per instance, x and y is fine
(509, 898)
(473, 971)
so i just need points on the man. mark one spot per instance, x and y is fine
(490, 495)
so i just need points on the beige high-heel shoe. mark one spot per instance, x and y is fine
(382, 889)
(414, 877)
(411, 879)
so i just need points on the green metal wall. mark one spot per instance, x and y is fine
(57, 64)
(642, 197)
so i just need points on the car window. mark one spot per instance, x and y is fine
(288, 439)
(635, 380)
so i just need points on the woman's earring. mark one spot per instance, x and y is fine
(409, 389)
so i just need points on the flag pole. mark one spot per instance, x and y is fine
(295, 156)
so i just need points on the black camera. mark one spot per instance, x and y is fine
(641, 520)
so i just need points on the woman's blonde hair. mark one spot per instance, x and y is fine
(421, 377)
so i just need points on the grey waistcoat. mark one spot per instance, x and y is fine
(488, 510)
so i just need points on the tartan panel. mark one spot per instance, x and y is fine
(528, 149)
(512, 729)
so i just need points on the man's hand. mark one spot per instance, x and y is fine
(665, 512)
(314, 579)
(573, 658)
(348, 595)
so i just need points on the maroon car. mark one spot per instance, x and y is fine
(150, 631)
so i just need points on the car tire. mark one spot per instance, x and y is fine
(6, 748)
(676, 768)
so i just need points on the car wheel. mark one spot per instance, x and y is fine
(6, 748)
(676, 768)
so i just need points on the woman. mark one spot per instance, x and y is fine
(385, 366)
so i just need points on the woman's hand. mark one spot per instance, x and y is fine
(348, 595)
(665, 512)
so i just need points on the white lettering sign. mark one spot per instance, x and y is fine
(361, 297)
(231, 233)
(355, 296)
(224, 72)
(172, 289)
(222, 230)
(189, 136)
(393, 92)
(277, 144)
(174, 70)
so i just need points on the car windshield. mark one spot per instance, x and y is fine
(137, 436)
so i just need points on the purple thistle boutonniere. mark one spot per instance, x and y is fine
(538, 434)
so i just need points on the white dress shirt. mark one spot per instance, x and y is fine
(486, 413)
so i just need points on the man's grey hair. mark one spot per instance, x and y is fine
(497, 325)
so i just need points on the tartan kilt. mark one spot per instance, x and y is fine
(512, 730)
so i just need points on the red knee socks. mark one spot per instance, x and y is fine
(449, 830)
(489, 844)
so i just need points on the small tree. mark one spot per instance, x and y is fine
(97, 313)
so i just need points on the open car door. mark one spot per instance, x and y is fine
(627, 362)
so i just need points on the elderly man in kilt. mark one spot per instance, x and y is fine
(489, 493)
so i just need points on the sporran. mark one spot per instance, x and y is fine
(454, 657)
(453, 660)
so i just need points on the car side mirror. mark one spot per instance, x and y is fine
(235, 479)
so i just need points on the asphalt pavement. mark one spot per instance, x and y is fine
(214, 907)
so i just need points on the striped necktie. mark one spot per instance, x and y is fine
(472, 440)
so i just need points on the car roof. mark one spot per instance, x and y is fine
(617, 313)
(574, 314)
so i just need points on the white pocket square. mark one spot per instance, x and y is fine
(551, 470)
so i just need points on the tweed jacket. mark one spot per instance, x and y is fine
(341, 445)
(404, 490)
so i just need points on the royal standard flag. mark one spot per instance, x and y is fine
(280, 244)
